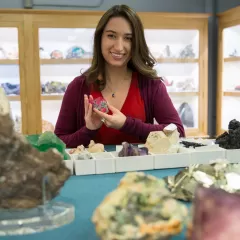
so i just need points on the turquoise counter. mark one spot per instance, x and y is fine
(85, 193)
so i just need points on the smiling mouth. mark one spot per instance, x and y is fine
(117, 55)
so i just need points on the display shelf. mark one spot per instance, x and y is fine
(183, 94)
(177, 60)
(28, 221)
(13, 98)
(10, 69)
(57, 46)
(89, 60)
(228, 91)
(52, 97)
(9, 61)
(169, 46)
(231, 94)
(50, 110)
(60, 96)
(232, 59)
(187, 108)
(66, 61)
(230, 106)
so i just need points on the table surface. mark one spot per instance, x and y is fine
(86, 193)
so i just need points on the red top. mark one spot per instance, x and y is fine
(132, 107)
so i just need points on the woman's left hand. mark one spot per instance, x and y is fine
(116, 120)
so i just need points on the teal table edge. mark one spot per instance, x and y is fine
(86, 193)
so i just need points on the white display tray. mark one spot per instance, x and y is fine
(109, 162)
(69, 165)
(233, 155)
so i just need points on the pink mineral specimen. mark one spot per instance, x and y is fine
(216, 215)
(100, 104)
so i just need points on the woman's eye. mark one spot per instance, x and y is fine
(111, 36)
(128, 38)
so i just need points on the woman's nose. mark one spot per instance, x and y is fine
(118, 45)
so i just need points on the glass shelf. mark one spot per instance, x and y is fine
(169, 47)
(187, 108)
(230, 75)
(230, 110)
(28, 221)
(231, 43)
(9, 69)
(64, 54)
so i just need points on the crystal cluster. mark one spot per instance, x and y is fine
(163, 141)
(230, 139)
(24, 170)
(82, 153)
(219, 174)
(131, 150)
(140, 208)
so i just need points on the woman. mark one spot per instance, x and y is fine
(122, 73)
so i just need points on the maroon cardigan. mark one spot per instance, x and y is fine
(70, 126)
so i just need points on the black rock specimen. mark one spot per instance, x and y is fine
(230, 139)
(192, 144)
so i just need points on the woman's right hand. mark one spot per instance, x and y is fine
(92, 120)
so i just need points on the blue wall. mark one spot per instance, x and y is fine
(138, 5)
(198, 6)
(223, 5)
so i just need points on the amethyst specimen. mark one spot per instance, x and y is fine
(230, 139)
(23, 168)
(130, 150)
(216, 215)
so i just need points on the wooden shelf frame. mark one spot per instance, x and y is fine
(231, 94)
(232, 59)
(9, 61)
(89, 60)
(226, 19)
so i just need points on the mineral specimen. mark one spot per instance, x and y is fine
(220, 174)
(230, 139)
(130, 150)
(95, 147)
(100, 104)
(140, 208)
(187, 52)
(216, 215)
(24, 169)
(192, 144)
(159, 142)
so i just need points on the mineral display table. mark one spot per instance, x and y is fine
(86, 193)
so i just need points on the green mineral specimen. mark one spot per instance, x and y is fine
(48, 140)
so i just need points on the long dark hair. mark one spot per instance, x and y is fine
(141, 60)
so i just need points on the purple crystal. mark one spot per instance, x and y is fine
(216, 215)
(130, 150)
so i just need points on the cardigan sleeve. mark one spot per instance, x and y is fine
(67, 127)
(163, 111)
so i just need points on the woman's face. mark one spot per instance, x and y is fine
(116, 42)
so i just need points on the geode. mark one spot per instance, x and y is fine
(24, 171)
